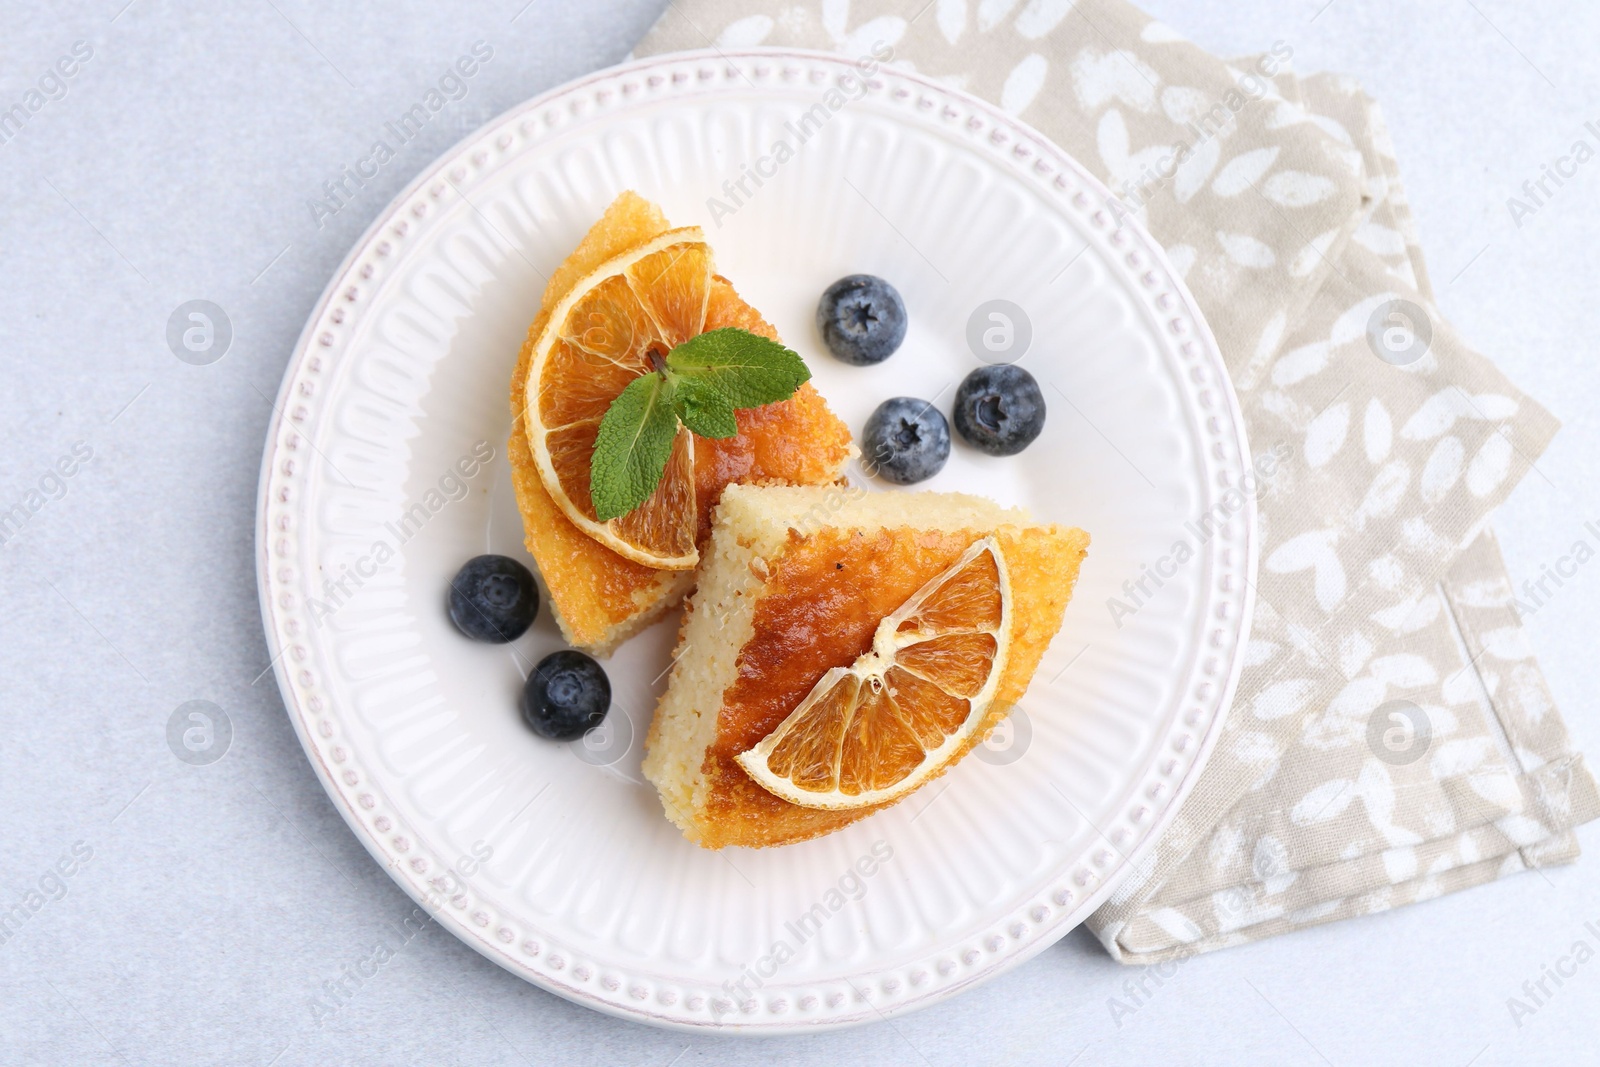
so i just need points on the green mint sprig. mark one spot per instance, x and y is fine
(700, 384)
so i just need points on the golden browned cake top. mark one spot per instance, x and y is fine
(819, 608)
(799, 441)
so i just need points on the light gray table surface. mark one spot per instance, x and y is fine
(217, 899)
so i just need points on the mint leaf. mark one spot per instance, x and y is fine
(746, 369)
(707, 378)
(633, 446)
(702, 408)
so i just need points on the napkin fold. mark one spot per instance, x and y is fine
(1392, 737)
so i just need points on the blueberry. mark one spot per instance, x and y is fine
(494, 599)
(567, 695)
(999, 410)
(862, 319)
(906, 440)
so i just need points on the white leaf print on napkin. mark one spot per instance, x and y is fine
(884, 30)
(1529, 694)
(1226, 847)
(1313, 550)
(1403, 670)
(951, 15)
(1490, 466)
(1182, 257)
(1326, 801)
(1461, 688)
(1267, 345)
(1386, 571)
(1377, 431)
(1239, 910)
(1183, 103)
(1244, 171)
(1354, 652)
(835, 17)
(1385, 494)
(1440, 412)
(1352, 325)
(1420, 536)
(1285, 114)
(1271, 337)
(1377, 795)
(1410, 615)
(1041, 16)
(1161, 33)
(746, 32)
(1326, 433)
(1246, 250)
(1193, 173)
(1177, 924)
(1302, 363)
(992, 12)
(1522, 831)
(1313, 255)
(1023, 83)
(1258, 652)
(1400, 864)
(1121, 164)
(1333, 127)
(1296, 188)
(1281, 698)
(1492, 406)
(1442, 470)
(1253, 746)
(1460, 756)
(1485, 593)
(1498, 787)
(1101, 77)
(1271, 865)
(1380, 239)
(1477, 759)
(1404, 272)
(1343, 723)
(1358, 699)
(1261, 751)
(1507, 643)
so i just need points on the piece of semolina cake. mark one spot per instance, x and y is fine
(600, 598)
(794, 582)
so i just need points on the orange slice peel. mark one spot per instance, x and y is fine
(614, 325)
(870, 733)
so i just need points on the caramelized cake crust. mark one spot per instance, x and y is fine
(778, 607)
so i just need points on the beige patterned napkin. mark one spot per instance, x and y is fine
(1392, 738)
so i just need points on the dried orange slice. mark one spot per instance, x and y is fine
(615, 324)
(874, 731)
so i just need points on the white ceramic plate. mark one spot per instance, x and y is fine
(385, 470)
